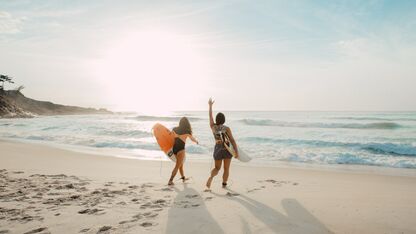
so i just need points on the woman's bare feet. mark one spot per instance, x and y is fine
(183, 178)
(170, 183)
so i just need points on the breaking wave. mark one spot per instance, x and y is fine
(372, 147)
(267, 122)
(374, 118)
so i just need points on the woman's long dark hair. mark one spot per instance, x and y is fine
(184, 127)
(220, 119)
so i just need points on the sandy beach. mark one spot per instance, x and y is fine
(50, 190)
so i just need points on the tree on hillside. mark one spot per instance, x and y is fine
(20, 88)
(5, 78)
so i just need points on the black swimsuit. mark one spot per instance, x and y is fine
(178, 145)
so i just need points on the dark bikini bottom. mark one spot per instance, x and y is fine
(178, 145)
(220, 152)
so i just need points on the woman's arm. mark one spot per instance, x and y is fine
(193, 139)
(211, 119)
(230, 135)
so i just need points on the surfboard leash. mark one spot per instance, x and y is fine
(160, 159)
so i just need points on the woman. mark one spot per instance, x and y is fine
(182, 132)
(223, 136)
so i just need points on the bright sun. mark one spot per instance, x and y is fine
(152, 71)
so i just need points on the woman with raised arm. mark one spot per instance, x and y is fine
(182, 132)
(223, 137)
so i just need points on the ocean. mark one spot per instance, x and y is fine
(382, 139)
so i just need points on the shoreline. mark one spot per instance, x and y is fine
(124, 154)
(117, 195)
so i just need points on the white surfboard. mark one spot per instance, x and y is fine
(242, 156)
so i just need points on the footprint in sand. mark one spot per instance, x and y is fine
(186, 204)
(75, 197)
(67, 186)
(253, 190)
(139, 216)
(37, 230)
(146, 205)
(164, 189)
(125, 221)
(136, 200)
(160, 201)
(146, 186)
(277, 183)
(146, 224)
(232, 194)
(104, 229)
(150, 215)
(4, 231)
(91, 211)
(84, 230)
(53, 194)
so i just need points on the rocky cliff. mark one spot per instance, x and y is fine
(13, 104)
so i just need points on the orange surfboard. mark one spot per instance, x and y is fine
(166, 139)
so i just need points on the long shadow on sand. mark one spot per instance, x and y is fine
(188, 203)
(297, 220)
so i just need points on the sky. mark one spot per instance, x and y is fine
(248, 55)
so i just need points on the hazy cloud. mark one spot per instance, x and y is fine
(10, 24)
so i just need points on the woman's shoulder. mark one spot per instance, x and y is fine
(221, 127)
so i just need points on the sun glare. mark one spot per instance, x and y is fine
(152, 71)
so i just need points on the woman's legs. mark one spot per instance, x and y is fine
(181, 171)
(179, 163)
(227, 163)
(214, 172)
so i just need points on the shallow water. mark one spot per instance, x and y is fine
(386, 139)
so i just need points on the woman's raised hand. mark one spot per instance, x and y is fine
(210, 101)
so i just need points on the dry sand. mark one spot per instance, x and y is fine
(49, 190)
